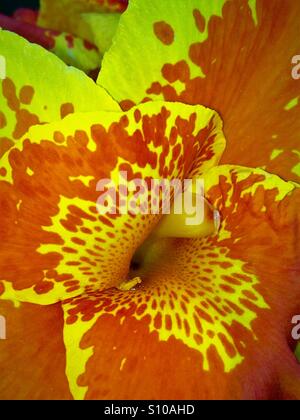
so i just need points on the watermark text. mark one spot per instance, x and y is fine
(296, 67)
(2, 328)
(2, 68)
(152, 196)
(296, 329)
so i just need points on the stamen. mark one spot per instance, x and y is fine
(127, 285)
(205, 222)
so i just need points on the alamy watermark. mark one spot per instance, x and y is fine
(296, 67)
(2, 67)
(2, 328)
(296, 329)
(152, 196)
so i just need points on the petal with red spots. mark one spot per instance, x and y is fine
(32, 357)
(65, 15)
(55, 243)
(234, 56)
(28, 97)
(215, 310)
(103, 27)
(72, 50)
(76, 52)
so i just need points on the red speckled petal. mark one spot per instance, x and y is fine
(234, 56)
(28, 98)
(72, 50)
(65, 15)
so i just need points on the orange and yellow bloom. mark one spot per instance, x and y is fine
(187, 89)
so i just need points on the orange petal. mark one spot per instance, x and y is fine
(32, 358)
(209, 311)
(235, 57)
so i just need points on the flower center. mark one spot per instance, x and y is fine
(204, 223)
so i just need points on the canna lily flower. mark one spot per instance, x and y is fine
(94, 309)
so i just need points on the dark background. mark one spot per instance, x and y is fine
(8, 6)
